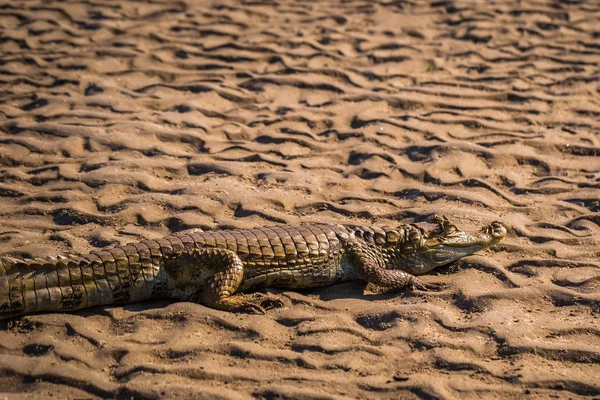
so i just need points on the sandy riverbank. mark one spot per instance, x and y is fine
(127, 120)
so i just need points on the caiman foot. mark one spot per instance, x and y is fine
(255, 303)
(416, 283)
(267, 301)
(237, 303)
(427, 287)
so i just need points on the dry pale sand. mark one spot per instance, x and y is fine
(125, 120)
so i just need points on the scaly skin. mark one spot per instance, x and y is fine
(214, 268)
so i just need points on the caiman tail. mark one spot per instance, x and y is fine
(115, 276)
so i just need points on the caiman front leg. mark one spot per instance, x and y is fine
(372, 269)
(384, 280)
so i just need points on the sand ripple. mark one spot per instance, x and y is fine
(129, 120)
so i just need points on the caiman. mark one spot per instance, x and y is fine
(215, 268)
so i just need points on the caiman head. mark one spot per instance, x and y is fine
(421, 252)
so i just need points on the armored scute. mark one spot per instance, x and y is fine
(214, 268)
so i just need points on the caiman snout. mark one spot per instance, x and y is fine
(496, 231)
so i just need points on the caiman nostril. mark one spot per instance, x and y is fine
(497, 230)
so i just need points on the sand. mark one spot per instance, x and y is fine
(126, 120)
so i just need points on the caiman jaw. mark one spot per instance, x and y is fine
(448, 244)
